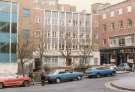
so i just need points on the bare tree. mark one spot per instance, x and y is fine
(41, 49)
(68, 51)
(24, 51)
(86, 50)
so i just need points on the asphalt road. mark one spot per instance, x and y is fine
(85, 85)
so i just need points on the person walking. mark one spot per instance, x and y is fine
(31, 76)
(43, 77)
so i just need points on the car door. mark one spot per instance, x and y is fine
(63, 75)
(10, 81)
(18, 80)
(69, 75)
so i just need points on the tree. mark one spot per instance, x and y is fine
(68, 51)
(41, 51)
(86, 50)
(24, 51)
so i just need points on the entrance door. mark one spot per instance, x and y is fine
(69, 62)
(121, 58)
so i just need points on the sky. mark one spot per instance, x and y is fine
(85, 4)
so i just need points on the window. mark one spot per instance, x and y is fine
(36, 34)
(37, 19)
(104, 16)
(48, 34)
(104, 27)
(112, 14)
(121, 24)
(128, 40)
(120, 11)
(51, 3)
(26, 34)
(113, 26)
(54, 34)
(130, 23)
(26, 12)
(121, 42)
(104, 42)
(129, 8)
(35, 1)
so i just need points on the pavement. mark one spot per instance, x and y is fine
(121, 72)
(125, 83)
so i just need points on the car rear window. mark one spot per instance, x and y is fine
(103, 68)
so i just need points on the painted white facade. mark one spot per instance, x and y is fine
(57, 24)
(8, 68)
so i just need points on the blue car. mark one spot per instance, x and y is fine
(58, 77)
(99, 71)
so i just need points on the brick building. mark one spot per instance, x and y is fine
(20, 17)
(114, 31)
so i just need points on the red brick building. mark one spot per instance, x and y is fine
(114, 31)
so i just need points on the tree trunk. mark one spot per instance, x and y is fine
(22, 66)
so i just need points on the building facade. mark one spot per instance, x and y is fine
(114, 31)
(67, 34)
(8, 34)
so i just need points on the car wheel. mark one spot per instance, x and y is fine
(113, 73)
(50, 82)
(26, 83)
(79, 77)
(1, 85)
(58, 80)
(98, 76)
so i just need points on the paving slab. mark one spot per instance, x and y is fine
(125, 83)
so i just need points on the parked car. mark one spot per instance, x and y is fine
(99, 71)
(123, 67)
(112, 66)
(8, 80)
(60, 76)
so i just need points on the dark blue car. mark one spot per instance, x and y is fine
(58, 77)
(99, 71)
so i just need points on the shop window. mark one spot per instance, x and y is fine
(121, 42)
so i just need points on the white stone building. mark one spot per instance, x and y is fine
(67, 32)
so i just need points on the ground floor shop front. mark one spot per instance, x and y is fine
(117, 55)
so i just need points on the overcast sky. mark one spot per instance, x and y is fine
(85, 4)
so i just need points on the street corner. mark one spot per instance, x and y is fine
(122, 85)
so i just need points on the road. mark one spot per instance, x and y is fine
(85, 85)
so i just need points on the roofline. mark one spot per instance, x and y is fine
(69, 12)
(115, 4)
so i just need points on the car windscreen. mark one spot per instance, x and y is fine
(103, 68)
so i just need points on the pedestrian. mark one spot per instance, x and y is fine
(43, 77)
(31, 76)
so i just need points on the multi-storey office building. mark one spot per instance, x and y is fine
(8, 33)
(66, 31)
(27, 18)
(115, 31)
